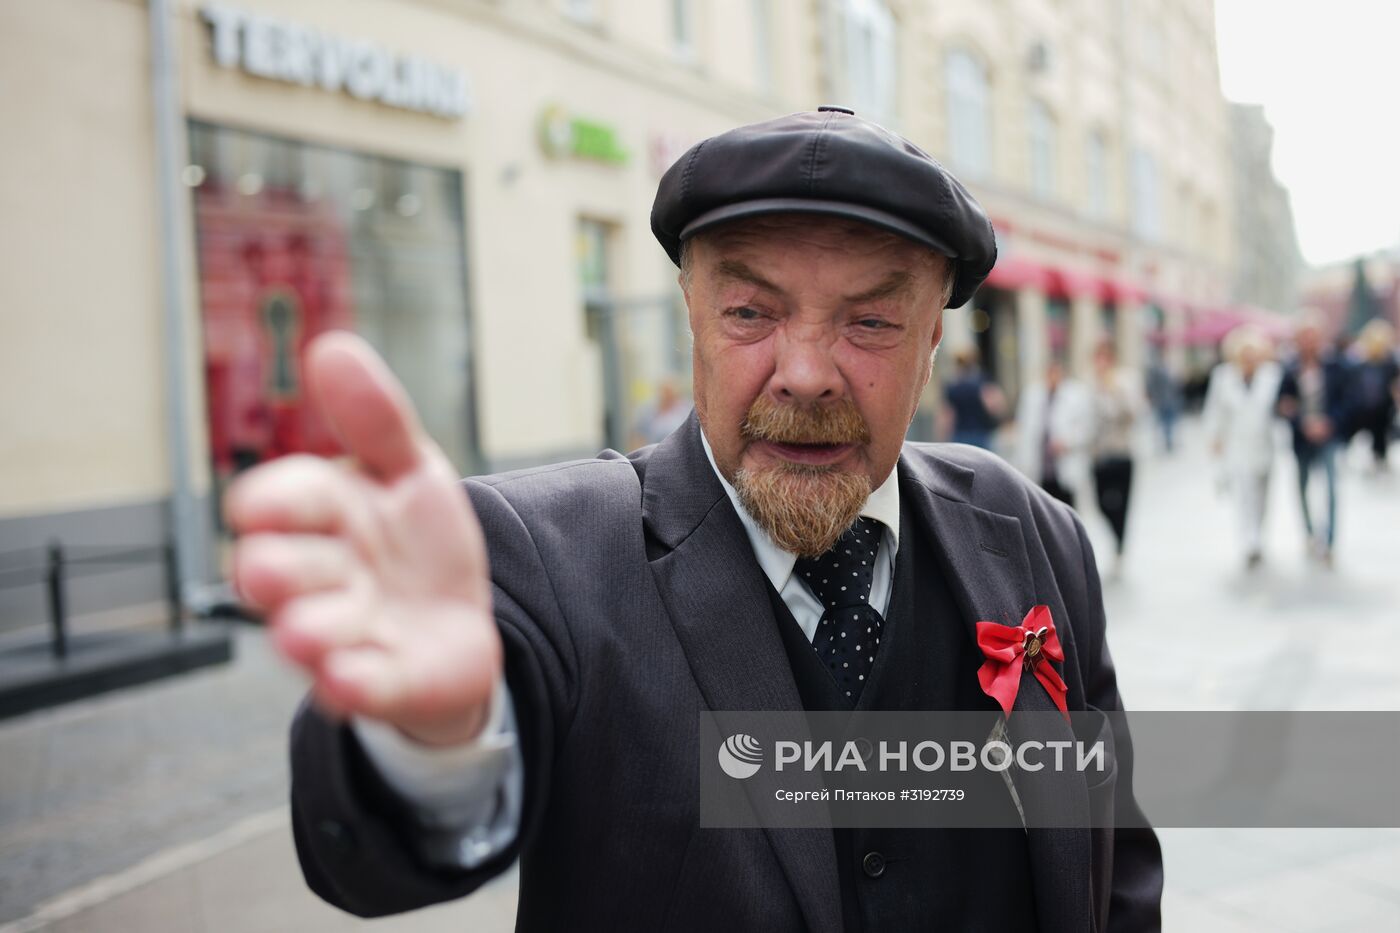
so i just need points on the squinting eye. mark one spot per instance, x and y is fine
(872, 323)
(745, 314)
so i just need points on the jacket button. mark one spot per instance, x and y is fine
(874, 864)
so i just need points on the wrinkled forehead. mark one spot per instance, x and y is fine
(839, 236)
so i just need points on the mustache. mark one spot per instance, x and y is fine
(832, 423)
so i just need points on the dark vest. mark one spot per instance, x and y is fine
(965, 880)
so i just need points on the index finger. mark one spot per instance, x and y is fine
(365, 404)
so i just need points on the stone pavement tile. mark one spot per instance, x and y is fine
(258, 888)
(169, 904)
(1377, 872)
(107, 782)
(1189, 913)
(1302, 848)
(1304, 900)
(1202, 862)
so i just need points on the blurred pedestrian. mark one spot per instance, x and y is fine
(661, 417)
(1054, 428)
(1239, 421)
(1376, 386)
(1313, 399)
(1117, 402)
(975, 403)
(1165, 396)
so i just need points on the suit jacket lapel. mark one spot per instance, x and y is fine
(983, 555)
(717, 600)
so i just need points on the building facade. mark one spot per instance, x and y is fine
(1268, 263)
(468, 184)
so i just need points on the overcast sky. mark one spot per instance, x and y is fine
(1328, 75)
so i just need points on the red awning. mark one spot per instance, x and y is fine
(1014, 272)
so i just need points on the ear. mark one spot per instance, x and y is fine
(933, 348)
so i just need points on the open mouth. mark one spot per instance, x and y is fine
(802, 452)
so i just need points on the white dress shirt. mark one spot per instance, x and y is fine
(468, 797)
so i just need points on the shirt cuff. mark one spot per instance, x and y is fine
(467, 797)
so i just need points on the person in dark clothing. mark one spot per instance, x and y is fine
(1117, 403)
(1165, 395)
(1313, 398)
(976, 404)
(1375, 387)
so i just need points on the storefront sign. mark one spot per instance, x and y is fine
(284, 51)
(563, 135)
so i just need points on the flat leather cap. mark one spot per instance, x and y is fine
(827, 161)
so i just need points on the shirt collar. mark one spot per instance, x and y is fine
(777, 564)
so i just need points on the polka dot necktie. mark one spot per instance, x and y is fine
(849, 630)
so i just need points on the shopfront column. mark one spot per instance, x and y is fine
(1084, 332)
(1032, 326)
(1132, 334)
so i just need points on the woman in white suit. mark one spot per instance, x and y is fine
(1239, 421)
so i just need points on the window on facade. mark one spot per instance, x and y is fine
(594, 272)
(683, 27)
(1042, 135)
(1096, 174)
(763, 43)
(1147, 207)
(585, 11)
(869, 41)
(969, 122)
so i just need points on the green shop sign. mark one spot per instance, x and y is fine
(565, 136)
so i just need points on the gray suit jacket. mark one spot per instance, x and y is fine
(629, 600)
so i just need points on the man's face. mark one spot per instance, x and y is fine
(812, 341)
(1249, 359)
(1309, 341)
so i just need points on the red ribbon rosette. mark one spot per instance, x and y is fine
(1010, 648)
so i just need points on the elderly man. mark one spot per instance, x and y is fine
(523, 676)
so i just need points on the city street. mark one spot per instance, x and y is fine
(163, 808)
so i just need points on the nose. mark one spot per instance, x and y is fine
(805, 371)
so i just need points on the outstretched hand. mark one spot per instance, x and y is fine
(373, 572)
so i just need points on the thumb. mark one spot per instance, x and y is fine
(365, 404)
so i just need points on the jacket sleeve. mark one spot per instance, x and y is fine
(1135, 899)
(360, 845)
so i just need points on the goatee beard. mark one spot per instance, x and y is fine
(804, 508)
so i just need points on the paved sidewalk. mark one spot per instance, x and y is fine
(163, 808)
(1190, 628)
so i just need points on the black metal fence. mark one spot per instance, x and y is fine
(52, 567)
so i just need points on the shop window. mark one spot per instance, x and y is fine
(294, 240)
(1059, 325)
(594, 272)
(969, 122)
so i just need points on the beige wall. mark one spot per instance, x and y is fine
(82, 418)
